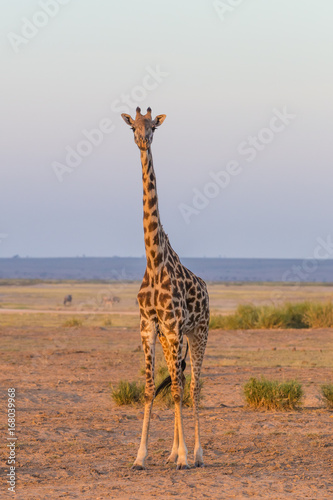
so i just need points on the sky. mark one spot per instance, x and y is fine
(243, 160)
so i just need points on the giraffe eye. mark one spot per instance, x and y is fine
(133, 129)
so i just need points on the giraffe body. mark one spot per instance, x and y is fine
(173, 304)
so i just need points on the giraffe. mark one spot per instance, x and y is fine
(173, 304)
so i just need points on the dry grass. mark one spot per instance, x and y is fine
(320, 315)
(72, 323)
(34, 294)
(224, 297)
(57, 319)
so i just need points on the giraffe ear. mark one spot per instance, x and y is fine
(128, 119)
(159, 120)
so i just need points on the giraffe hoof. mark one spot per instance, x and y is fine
(172, 459)
(182, 467)
(199, 464)
(138, 467)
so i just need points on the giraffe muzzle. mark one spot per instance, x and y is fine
(143, 145)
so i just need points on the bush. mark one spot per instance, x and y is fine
(73, 323)
(128, 393)
(294, 315)
(217, 322)
(320, 315)
(299, 315)
(273, 395)
(327, 394)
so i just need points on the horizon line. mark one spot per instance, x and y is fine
(19, 257)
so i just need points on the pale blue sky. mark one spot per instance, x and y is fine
(222, 80)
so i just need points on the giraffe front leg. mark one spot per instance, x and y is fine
(167, 354)
(148, 342)
(174, 452)
(182, 450)
(177, 394)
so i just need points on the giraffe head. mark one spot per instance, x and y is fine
(143, 127)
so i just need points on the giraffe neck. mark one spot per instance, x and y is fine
(153, 231)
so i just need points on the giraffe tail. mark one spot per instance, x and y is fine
(167, 381)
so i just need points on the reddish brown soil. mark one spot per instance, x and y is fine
(73, 442)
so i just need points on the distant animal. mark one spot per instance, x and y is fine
(110, 300)
(68, 300)
(107, 301)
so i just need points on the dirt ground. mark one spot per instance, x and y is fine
(74, 442)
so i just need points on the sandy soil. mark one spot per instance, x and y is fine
(71, 312)
(73, 442)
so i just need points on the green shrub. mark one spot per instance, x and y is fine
(128, 393)
(269, 317)
(294, 315)
(246, 316)
(72, 323)
(299, 315)
(320, 315)
(273, 395)
(217, 321)
(327, 394)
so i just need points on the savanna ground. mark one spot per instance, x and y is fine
(74, 442)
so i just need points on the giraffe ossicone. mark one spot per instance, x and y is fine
(173, 303)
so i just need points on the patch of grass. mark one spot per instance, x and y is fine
(128, 393)
(327, 395)
(217, 322)
(56, 319)
(320, 315)
(73, 323)
(107, 322)
(298, 315)
(22, 282)
(273, 395)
